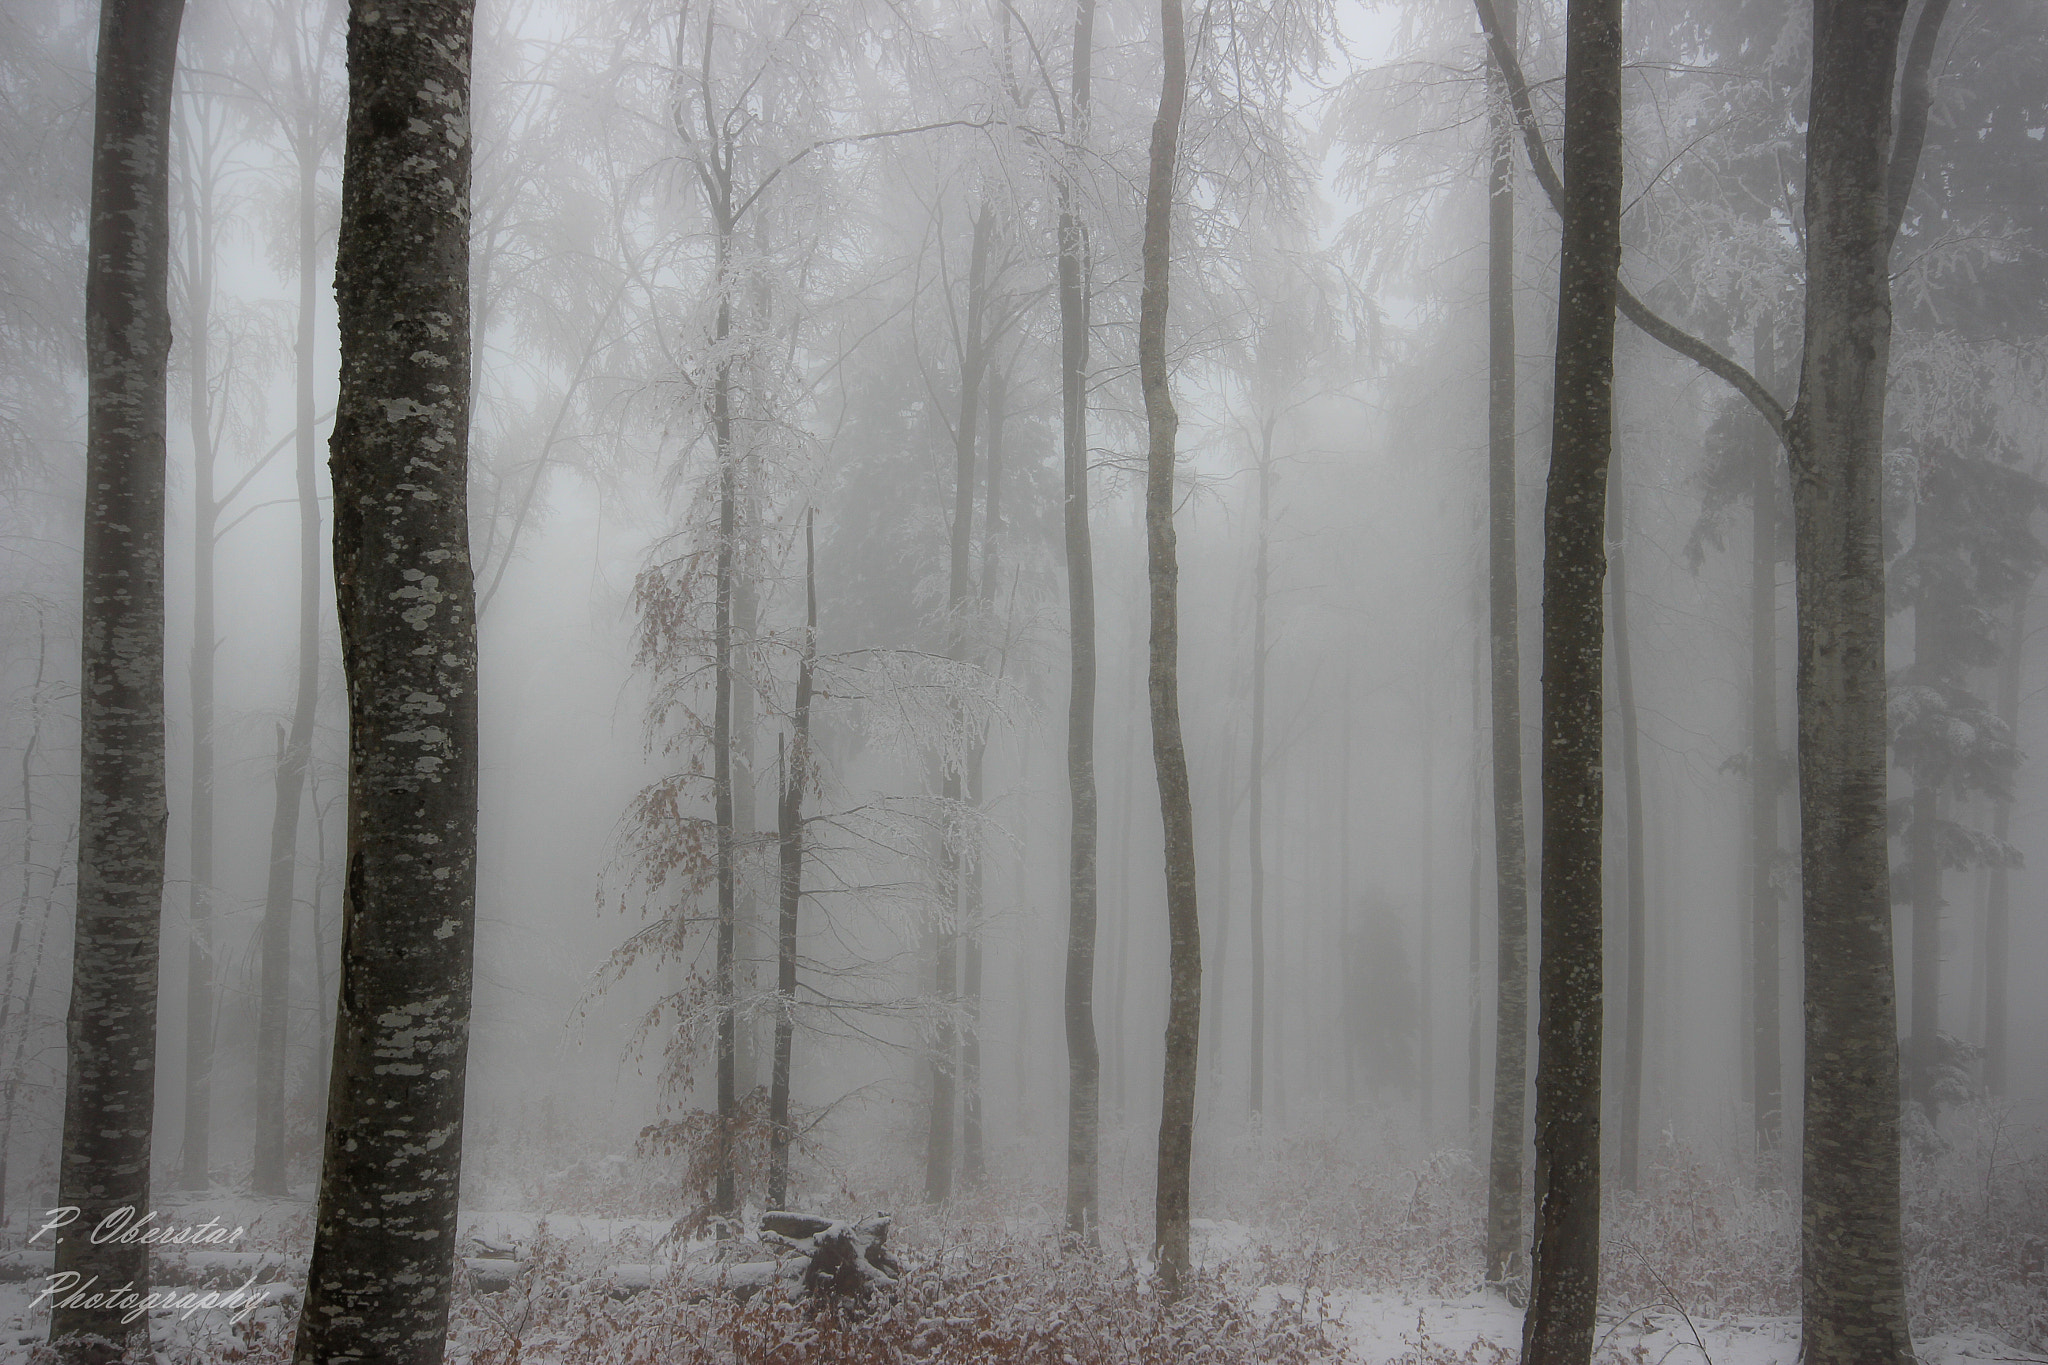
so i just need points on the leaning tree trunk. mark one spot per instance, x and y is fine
(1565, 1263)
(1628, 1140)
(1852, 1272)
(378, 1287)
(198, 188)
(796, 774)
(110, 1034)
(1169, 754)
(1510, 850)
(295, 754)
(1084, 1056)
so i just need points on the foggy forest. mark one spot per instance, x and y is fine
(739, 682)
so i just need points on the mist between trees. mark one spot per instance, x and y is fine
(1376, 654)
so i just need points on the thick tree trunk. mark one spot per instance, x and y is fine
(790, 823)
(295, 754)
(1169, 754)
(1565, 1263)
(1998, 897)
(379, 1284)
(955, 853)
(1852, 1270)
(1628, 1138)
(110, 1032)
(199, 238)
(1084, 1058)
(1256, 820)
(1767, 1097)
(1504, 1242)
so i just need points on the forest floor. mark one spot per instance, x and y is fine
(1320, 1253)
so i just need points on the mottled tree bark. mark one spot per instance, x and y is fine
(796, 773)
(378, 1287)
(1084, 1057)
(1504, 1244)
(1565, 1262)
(1169, 754)
(110, 1031)
(1852, 1274)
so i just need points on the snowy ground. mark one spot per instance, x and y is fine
(1378, 1328)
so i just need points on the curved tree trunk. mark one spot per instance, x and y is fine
(1084, 1057)
(1565, 1262)
(110, 1032)
(1169, 754)
(379, 1284)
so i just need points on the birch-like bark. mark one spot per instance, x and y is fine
(378, 1288)
(110, 1031)
(1169, 753)
(1565, 1261)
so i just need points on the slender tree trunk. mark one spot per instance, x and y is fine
(379, 1284)
(199, 238)
(1767, 1099)
(1084, 1058)
(12, 1073)
(1504, 1242)
(971, 1154)
(790, 822)
(725, 1198)
(1256, 822)
(295, 752)
(938, 1165)
(1226, 811)
(1628, 1140)
(1852, 1270)
(1425, 1041)
(1998, 899)
(1475, 947)
(1565, 1264)
(1183, 1017)
(110, 1033)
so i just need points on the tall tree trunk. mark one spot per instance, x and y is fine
(1425, 1039)
(378, 1287)
(971, 1147)
(1169, 754)
(1504, 1242)
(955, 854)
(1628, 1140)
(1565, 1263)
(725, 1198)
(1256, 821)
(1226, 811)
(1998, 898)
(1852, 1279)
(198, 189)
(295, 752)
(1767, 1097)
(790, 824)
(10, 1077)
(1084, 1057)
(110, 1032)
(1475, 928)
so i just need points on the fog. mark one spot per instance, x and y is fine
(901, 172)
